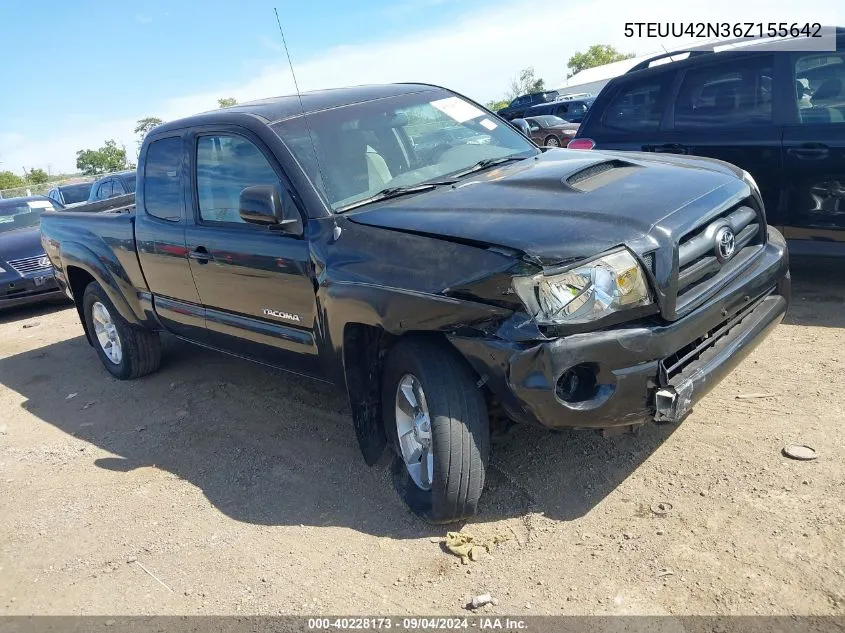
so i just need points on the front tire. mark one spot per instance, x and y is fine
(551, 141)
(127, 352)
(436, 418)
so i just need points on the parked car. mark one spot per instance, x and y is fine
(518, 107)
(26, 274)
(550, 131)
(561, 289)
(573, 111)
(70, 195)
(778, 114)
(112, 185)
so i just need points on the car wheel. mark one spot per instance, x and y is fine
(551, 141)
(436, 417)
(127, 352)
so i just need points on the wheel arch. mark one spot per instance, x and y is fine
(80, 263)
(365, 350)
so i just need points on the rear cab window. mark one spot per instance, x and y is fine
(163, 179)
(638, 105)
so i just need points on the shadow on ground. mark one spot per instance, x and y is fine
(270, 448)
(21, 313)
(818, 293)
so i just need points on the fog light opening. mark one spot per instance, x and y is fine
(577, 383)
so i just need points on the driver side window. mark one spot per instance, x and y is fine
(226, 165)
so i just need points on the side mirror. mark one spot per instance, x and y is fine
(268, 206)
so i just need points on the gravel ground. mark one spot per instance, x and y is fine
(218, 486)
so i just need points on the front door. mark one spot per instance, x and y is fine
(254, 283)
(813, 216)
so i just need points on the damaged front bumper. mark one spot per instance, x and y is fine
(631, 374)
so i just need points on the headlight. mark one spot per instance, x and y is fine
(588, 292)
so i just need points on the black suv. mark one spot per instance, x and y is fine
(780, 115)
(573, 111)
(516, 108)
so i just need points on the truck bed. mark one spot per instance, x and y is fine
(91, 233)
(118, 204)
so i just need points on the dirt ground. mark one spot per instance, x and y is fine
(218, 486)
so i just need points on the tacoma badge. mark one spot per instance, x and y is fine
(281, 315)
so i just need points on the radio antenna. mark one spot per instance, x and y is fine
(337, 230)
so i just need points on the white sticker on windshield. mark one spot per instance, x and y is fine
(457, 109)
(488, 124)
(39, 204)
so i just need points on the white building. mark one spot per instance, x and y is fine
(592, 80)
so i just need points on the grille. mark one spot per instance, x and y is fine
(701, 267)
(704, 345)
(29, 265)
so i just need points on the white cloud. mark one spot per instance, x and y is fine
(476, 54)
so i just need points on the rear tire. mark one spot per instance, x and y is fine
(127, 352)
(458, 423)
(551, 141)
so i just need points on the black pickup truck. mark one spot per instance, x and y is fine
(449, 294)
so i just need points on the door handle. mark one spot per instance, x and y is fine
(201, 254)
(811, 151)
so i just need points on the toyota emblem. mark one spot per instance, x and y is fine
(725, 243)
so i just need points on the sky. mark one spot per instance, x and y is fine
(78, 72)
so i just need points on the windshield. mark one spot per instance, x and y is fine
(549, 120)
(19, 215)
(401, 141)
(76, 193)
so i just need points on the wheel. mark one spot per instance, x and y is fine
(127, 352)
(552, 141)
(436, 418)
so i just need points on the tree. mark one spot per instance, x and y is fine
(36, 177)
(10, 180)
(144, 126)
(227, 102)
(596, 55)
(495, 106)
(525, 83)
(108, 158)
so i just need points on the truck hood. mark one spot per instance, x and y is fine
(567, 204)
(20, 243)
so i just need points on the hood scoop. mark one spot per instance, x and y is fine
(601, 174)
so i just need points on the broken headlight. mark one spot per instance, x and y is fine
(591, 291)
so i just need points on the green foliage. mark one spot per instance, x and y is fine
(36, 177)
(227, 102)
(495, 106)
(525, 83)
(144, 126)
(108, 158)
(9, 180)
(596, 55)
